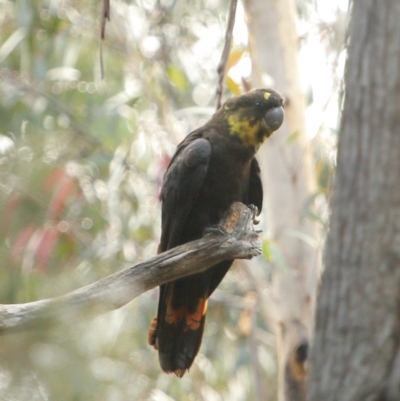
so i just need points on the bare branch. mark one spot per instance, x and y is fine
(235, 238)
(105, 15)
(225, 53)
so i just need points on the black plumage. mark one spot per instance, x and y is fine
(212, 167)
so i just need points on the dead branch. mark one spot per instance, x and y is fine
(234, 238)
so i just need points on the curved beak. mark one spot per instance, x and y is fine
(274, 117)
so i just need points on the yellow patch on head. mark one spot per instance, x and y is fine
(267, 95)
(245, 129)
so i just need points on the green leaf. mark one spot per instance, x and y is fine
(233, 86)
(266, 250)
(272, 252)
(177, 77)
(292, 137)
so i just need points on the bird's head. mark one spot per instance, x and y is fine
(254, 116)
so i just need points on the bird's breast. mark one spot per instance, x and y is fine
(226, 182)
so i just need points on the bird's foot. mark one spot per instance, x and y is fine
(254, 209)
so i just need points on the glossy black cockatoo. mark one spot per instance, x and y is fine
(212, 167)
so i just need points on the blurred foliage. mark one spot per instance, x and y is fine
(81, 163)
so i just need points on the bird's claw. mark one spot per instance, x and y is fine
(254, 209)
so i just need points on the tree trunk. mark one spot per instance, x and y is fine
(356, 353)
(288, 184)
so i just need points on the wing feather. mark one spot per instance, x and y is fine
(255, 193)
(182, 183)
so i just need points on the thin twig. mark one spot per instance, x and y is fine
(105, 15)
(221, 69)
(101, 60)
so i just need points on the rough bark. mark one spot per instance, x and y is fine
(356, 353)
(235, 238)
(289, 183)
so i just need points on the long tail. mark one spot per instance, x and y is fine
(178, 329)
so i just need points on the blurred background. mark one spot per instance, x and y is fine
(81, 163)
